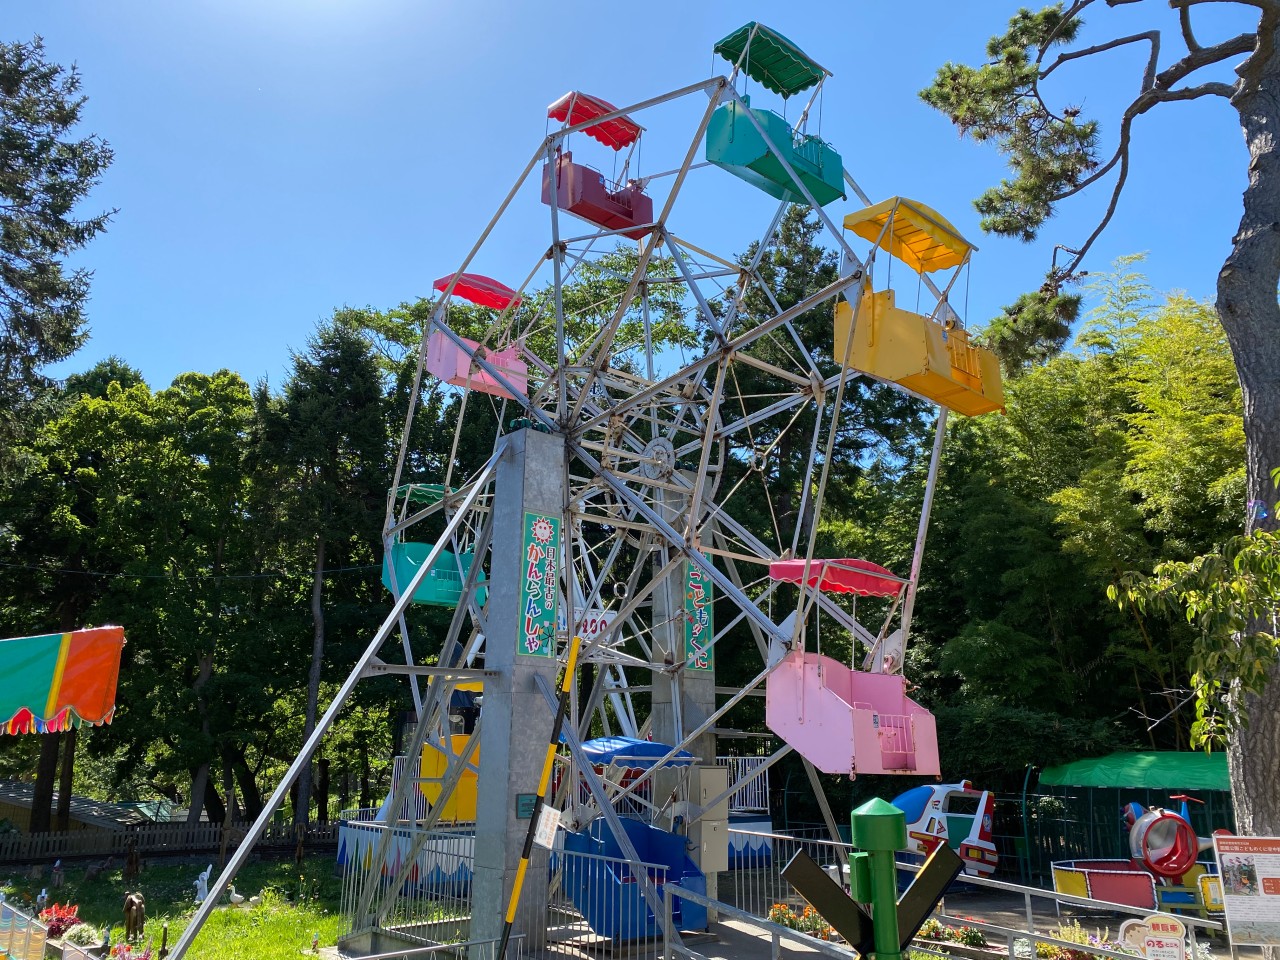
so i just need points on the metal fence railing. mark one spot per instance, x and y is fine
(1072, 823)
(21, 937)
(359, 815)
(754, 882)
(748, 932)
(752, 797)
(431, 903)
(595, 903)
(754, 887)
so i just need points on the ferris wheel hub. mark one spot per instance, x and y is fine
(659, 459)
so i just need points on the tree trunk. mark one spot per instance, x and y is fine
(249, 791)
(67, 780)
(195, 803)
(1251, 317)
(322, 790)
(46, 774)
(302, 810)
(215, 810)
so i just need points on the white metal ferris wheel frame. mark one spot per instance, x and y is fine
(573, 415)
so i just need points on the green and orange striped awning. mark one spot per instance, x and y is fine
(59, 681)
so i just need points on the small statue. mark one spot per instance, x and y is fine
(95, 870)
(55, 875)
(132, 863)
(315, 942)
(42, 901)
(202, 884)
(135, 916)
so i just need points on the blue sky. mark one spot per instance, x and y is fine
(276, 159)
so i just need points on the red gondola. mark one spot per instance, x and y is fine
(585, 192)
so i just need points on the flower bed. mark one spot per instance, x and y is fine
(808, 920)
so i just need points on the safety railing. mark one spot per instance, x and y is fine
(1031, 894)
(756, 930)
(360, 815)
(596, 903)
(419, 889)
(752, 797)
(755, 883)
(21, 937)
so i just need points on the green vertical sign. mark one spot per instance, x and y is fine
(539, 593)
(698, 629)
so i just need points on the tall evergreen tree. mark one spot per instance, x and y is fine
(46, 170)
(325, 438)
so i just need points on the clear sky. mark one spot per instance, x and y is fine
(276, 159)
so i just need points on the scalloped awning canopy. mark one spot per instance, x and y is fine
(840, 576)
(59, 680)
(917, 235)
(771, 59)
(576, 107)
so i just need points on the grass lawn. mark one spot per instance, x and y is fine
(274, 929)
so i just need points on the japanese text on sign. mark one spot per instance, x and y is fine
(539, 586)
(698, 654)
(1249, 870)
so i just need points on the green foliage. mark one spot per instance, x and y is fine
(1033, 328)
(1101, 465)
(276, 928)
(1231, 597)
(48, 171)
(1049, 153)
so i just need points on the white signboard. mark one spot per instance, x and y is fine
(1249, 868)
(595, 623)
(548, 822)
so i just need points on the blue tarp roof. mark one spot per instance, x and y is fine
(632, 753)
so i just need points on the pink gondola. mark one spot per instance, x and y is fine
(454, 365)
(843, 720)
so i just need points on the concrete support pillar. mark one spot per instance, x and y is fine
(516, 722)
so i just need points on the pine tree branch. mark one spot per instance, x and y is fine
(1156, 91)
(1184, 21)
(1153, 36)
(1266, 5)
(1252, 70)
(1203, 57)
(1122, 154)
(1213, 89)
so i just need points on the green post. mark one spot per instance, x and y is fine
(880, 829)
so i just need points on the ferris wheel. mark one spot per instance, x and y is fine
(677, 421)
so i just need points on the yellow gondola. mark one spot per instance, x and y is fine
(932, 358)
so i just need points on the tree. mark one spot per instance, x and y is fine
(1054, 154)
(326, 438)
(45, 172)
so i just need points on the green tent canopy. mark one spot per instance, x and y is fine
(772, 59)
(1156, 771)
